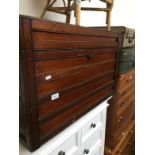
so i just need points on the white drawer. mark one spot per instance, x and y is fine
(67, 148)
(94, 142)
(90, 127)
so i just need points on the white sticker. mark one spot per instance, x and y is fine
(48, 77)
(54, 96)
(125, 53)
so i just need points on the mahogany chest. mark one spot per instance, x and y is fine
(65, 71)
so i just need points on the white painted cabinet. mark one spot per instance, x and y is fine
(84, 137)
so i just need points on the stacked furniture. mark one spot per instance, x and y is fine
(120, 115)
(65, 71)
(85, 136)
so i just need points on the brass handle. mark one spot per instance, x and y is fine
(127, 80)
(122, 103)
(123, 93)
(120, 119)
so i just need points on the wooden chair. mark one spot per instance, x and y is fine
(75, 5)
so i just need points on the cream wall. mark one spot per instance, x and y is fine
(122, 14)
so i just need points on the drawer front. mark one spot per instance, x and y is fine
(91, 127)
(125, 103)
(55, 75)
(52, 125)
(92, 144)
(123, 92)
(69, 147)
(125, 80)
(45, 40)
(123, 130)
(122, 118)
(120, 134)
(127, 75)
(70, 97)
(127, 144)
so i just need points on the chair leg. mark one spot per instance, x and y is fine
(78, 11)
(68, 14)
(108, 17)
(47, 4)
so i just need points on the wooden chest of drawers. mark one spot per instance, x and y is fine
(65, 71)
(121, 112)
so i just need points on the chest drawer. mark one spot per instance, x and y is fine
(90, 127)
(123, 130)
(123, 117)
(70, 97)
(92, 144)
(125, 103)
(60, 73)
(120, 93)
(127, 144)
(94, 124)
(69, 147)
(126, 79)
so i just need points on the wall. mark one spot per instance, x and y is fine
(123, 12)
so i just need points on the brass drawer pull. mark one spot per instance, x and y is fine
(122, 103)
(120, 119)
(127, 81)
(123, 93)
